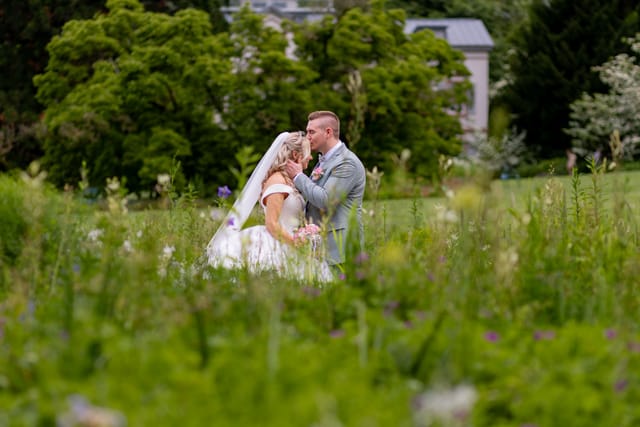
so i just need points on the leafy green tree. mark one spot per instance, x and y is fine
(26, 27)
(407, 85)
(128, 91)
(554, 60)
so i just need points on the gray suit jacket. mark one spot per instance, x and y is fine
(333, 197)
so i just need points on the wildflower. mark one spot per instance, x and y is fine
(164, 179)
(620, 385)
(83, 413)
(634, 347)
(361, 258)
(127, 246)
(231, 222)
(311, 291)
(610, 334)
(544, 335)
(167, 252)
(224, 192)
(336, 333)
(491, 336)
(113, 184)
(390, 307)
(444, 407)
(94, 235)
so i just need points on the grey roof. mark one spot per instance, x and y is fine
(461, 33)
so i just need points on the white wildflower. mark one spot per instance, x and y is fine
(94, 235)
(217, 214)
(167, 252)
(83, 413)
(445, 407)
(164, 179)
(127, 246)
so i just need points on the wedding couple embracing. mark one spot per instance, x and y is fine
(295, 206)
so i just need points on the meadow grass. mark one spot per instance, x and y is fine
(509, 304)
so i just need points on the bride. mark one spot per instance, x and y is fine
(273, 246)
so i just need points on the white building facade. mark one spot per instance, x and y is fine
(471, 37)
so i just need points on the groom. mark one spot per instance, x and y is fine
(336, 186)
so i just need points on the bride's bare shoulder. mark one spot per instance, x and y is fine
(276, 178)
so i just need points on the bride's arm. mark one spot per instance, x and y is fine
(273, 207)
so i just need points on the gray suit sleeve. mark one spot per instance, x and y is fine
(337, 186)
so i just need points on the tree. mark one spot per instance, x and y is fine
(26, 27)
(595, 118)
(129, 91)
(407, 91)
(553, 63)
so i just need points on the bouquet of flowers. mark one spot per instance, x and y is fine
(309, 233)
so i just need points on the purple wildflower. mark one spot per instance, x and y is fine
(620, 386)
(390, 307)
(311, 291)
(491, 336)
(634, 347)
(362, 257)
(544, 335)
(342, 276)
(610, 334)
(231, 222)
(336, 333)
(408, 324)
(224, 192)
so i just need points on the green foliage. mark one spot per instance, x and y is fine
(488, 312)
(398, 104)
(552, 66)
(128, 91)
(600, 118)
(27, 28)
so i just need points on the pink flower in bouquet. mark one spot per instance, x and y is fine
(306, 231)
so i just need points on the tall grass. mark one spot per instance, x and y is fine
(511, 305)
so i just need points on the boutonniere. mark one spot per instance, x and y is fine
(317, 173)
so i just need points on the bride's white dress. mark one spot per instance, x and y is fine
(257, 250)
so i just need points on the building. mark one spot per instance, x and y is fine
(471, 37)
(468, 35)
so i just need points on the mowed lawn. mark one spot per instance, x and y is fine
(508, 194)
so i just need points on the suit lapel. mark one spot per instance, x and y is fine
(330, 164)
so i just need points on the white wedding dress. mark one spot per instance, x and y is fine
(257, 250)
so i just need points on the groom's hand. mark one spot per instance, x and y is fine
(292, 168)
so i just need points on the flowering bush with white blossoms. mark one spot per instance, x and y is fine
(595, 117)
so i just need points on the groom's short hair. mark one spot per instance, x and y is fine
(330, 119)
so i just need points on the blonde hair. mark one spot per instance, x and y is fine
(295, 143)
(329, 119)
